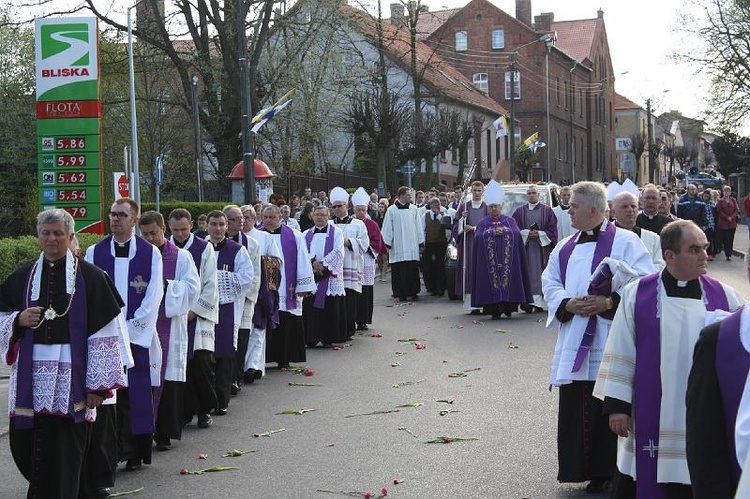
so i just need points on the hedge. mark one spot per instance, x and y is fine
(17, 251)
(195, 209)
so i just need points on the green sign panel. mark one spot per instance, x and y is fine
(70, 178)
(71, 126)
(69, 195)
(68, 144)
(69, 160)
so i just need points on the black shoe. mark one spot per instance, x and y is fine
(132, 464)
(205, 421)
(101, 492)
(476, 311)
(597, 485)
(508, 314)
(362, 327)
(163, 445)
(235, 389)
(249, 376)
(220, 411)
(526, 308)
(258, 373)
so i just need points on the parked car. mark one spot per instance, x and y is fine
(515, 196)
(705, 178)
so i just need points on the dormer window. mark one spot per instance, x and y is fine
(481, 81)
(462, 41)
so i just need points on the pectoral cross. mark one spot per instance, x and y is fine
(650, 448)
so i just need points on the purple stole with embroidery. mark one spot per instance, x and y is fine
(78, 330)
(224, 346)
(139, 376)
(647, 383)
(289, 250)
(320, 293)
(163, 323)
(196, 251)
(604, 243)
(732, 364)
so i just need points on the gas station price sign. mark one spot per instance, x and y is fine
(74, 160)
(69, 144)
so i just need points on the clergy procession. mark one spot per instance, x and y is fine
(159, 326)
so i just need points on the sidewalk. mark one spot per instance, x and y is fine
(741, 240)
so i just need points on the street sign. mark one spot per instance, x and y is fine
(121, 185)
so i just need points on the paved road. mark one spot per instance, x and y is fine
(505, 405)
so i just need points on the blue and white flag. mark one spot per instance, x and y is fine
(267, 113)
(501, 124)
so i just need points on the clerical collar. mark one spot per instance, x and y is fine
(122, 250)
(277, 230)
(51, 263)
(235, 238)
(400, 206)
(634, 228)
(220, 245)
(533, 205)
(476, 204)
(181, 244)
(321, 230)
(344, 220)
(564, 207)
(681, 289)
(589, 236)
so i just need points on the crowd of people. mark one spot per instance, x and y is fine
(114, 352)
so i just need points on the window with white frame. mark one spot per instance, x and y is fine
(481, 81)
(498, 39)
(513, 78)
(462, 41)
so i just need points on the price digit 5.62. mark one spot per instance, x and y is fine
(71, 178)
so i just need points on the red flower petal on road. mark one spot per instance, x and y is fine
(383, 492)
(397, 481)
(309, 372)
(183, 471)
(367, 495)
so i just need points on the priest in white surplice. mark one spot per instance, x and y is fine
(265, 298)
(586, 447)
(135, 266)
(234, 276)
(181, 290)
(235, 232)
(287, 341)
(356, 243)
(625, 211)
(643, 377)
(564, 227)
(200, 394)
(404, 237)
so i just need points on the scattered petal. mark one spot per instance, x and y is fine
(397, 481)
(203, 456)
(376, 335)
(309, 372)
(396, 364)
(478, 323)
(383, 492)
(336, 348)
(420, 346)
(512, 345)
(184, 471)
(367, 495)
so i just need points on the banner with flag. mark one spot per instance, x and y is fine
(532, 143)
(501, 124)
(267, 113)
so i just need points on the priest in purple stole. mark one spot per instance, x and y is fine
(714, 394)
(135, 266)
(538, 225)
(499, 278)
(647, 360)
(467, 217)
(60, 323)
(287, 342)
(324, 312)
(181, 291)
(200, 393)
(234, 276)
(583, 313)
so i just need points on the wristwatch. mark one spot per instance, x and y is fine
(609, 302)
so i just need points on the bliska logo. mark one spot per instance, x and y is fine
(65, 47)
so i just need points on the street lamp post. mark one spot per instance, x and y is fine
(136, 181)
(248, 158)
(197, 131)
(549, 43)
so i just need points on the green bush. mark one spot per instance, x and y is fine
(195, 209)
(16, 251)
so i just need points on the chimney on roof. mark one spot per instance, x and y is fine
(543, 22)
(600, 14)
(523, 11)
(397, 14)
